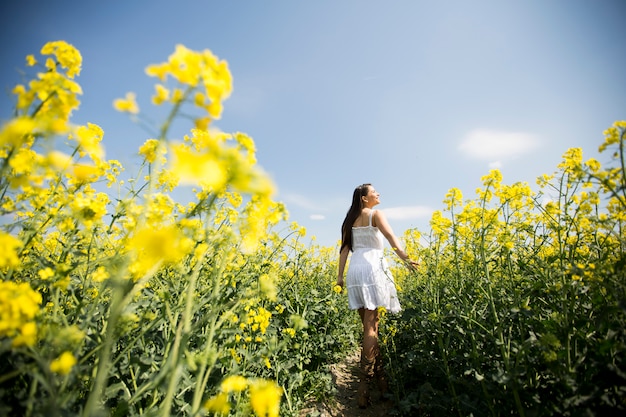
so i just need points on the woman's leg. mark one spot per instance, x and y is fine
(369, 318)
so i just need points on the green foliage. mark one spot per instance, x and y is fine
(125, 302)
(536, 327)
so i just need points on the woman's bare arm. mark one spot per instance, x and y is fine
(385, 228)
(343, 257)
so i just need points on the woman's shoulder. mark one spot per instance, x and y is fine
(378, 213)
(378, 216)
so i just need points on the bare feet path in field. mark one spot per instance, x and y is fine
(346, 380)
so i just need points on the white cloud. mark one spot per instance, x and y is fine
(317, 217)
(495, 145)
(302, 202)
(495, 164)
(408, 212)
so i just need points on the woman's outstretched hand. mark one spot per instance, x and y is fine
(412, 265)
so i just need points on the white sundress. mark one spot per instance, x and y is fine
(369, 281)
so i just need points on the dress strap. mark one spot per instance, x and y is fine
(371, 212)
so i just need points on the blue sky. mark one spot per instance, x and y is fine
(415, 97)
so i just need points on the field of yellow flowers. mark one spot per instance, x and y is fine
(520, 304)
(117, 300)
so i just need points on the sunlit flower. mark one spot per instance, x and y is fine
(46, 273)
(290, 331)
(265, 398)
(234, 383)
(195, 168)
(58, 160)
(8, 250)
(89, 209)
(149, 150)
(161, 96)
(150, 246)
(63, 364)
(99, 275)
(19, 304)
(68, 56)
(16, 131)
(84, 173)
(218, 404)
(454, 198)
(89, 138)
(127, 104)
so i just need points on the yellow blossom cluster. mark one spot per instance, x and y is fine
(63, 364)
(150, 248)
(257, 320)
(9, 246)
(121, 263)
(51, 98)
(209, 79)
(19, 306)
(264, 395)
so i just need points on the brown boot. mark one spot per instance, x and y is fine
(367, 373)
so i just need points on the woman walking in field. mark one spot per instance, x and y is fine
(369, 281)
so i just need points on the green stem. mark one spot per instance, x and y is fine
(104, 359)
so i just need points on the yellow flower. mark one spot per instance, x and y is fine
(453, 198)
(8, 250)
(45, 273)
(218, 404)
(89, 138)
(63, 364)
(68, 56)
(337, 289)
(161, 96)
(149, 150)
(178, 95)
(19, 304)
(194, 168)
(16, 131)
(198, 99)
(205, 73)
(127, 104)
(99, 275)
(261, 318)
(234, 383)
(290, 331)
(151, 245)
(58, 160)
(265, 398)
(85, 173)
(612, 135)
(23, 161)
(27, 335)
(89, 209)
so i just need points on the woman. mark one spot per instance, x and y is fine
(369, 281)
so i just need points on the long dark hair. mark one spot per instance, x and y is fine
(353, 213)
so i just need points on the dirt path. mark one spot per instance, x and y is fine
(346, 380)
